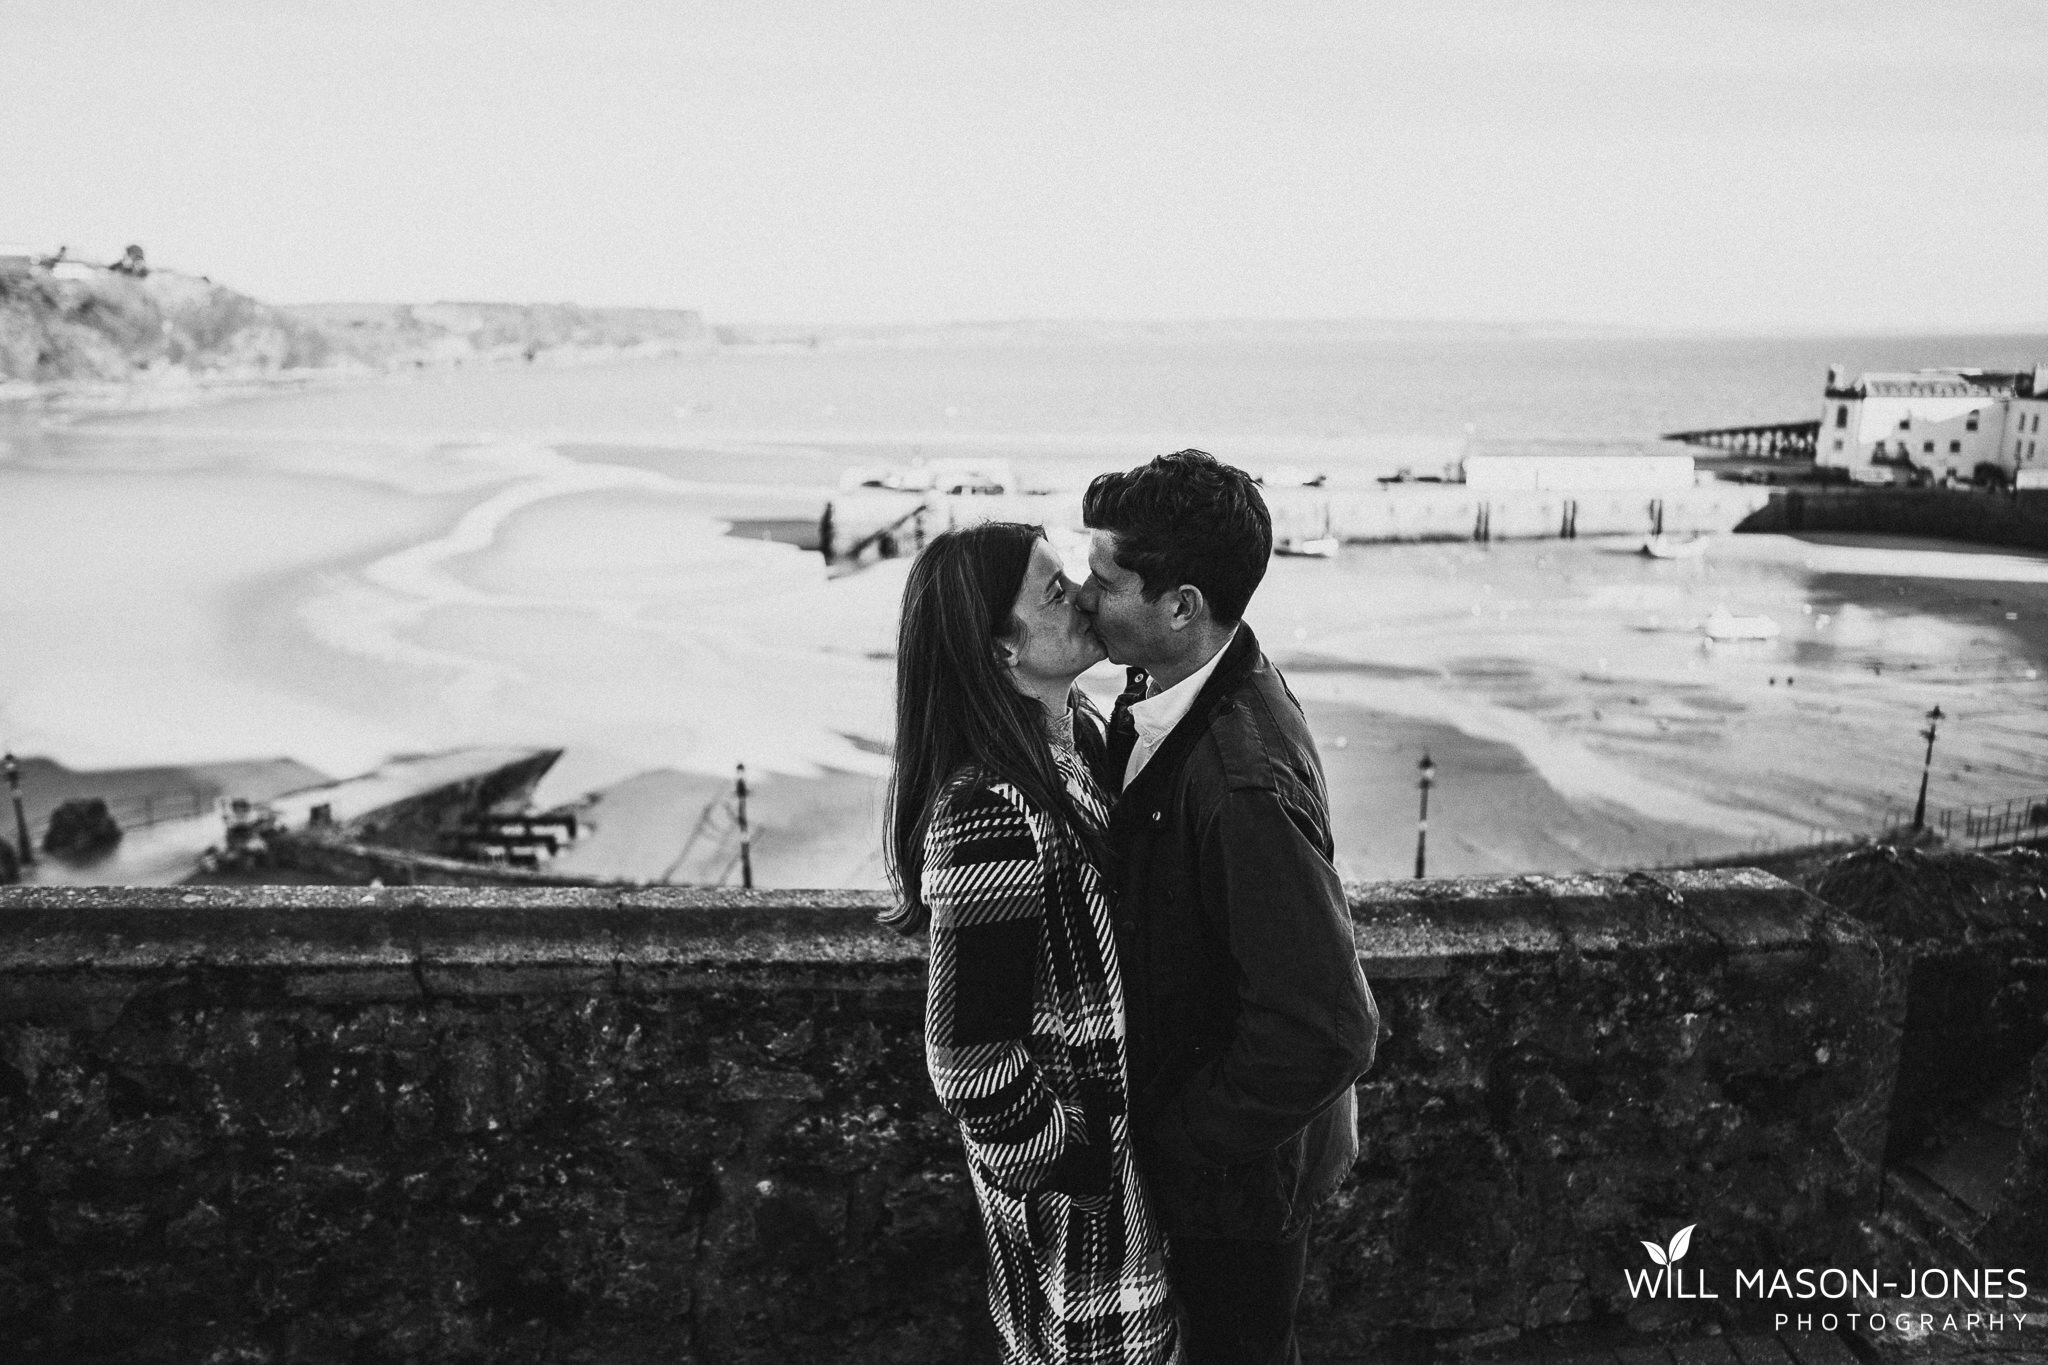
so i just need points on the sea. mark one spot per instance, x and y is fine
(570, 555)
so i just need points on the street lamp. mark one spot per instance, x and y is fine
(13, 770)
(1422, 822)
(1934, 718)
(746, 835)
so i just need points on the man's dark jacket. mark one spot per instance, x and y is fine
(1249, 1018)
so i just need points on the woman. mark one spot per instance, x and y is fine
(996, 844)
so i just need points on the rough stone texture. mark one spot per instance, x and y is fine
(2018, 1230)
(1967, 937)
(1578, 1064)
(433, 1124)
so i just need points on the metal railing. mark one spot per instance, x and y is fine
(1994, 824)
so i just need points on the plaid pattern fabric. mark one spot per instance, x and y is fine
(1024, 1035)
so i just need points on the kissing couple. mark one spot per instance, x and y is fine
(1145, 1008)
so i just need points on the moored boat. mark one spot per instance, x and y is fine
(1318, 547)
(1722, 624)
(1663, 547)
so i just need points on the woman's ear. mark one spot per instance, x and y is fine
(1006, 653)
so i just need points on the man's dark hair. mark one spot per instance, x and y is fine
(1187, 518)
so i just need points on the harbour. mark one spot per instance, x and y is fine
(446, 560)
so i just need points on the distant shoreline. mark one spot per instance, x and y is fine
(83, 335)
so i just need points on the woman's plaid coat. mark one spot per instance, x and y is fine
(1024, 1031)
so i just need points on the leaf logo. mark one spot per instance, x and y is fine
(1676, 1252)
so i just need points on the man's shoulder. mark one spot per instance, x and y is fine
(1257, 739)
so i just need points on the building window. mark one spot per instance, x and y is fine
(1842, 415)
(1955, 447)
(1971, 425)
(1905, 424)
(1838, 443)
(1927, 448)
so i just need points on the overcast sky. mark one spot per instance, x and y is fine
(1711, 163)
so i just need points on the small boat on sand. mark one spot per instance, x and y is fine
(1323, 546)
(1662, 547)
(1722, 624)
(1320, 547)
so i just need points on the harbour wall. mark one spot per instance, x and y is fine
(1436, 512)
(2016, 520)
(1401, 512)
(321, 1123)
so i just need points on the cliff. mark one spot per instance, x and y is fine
(106, 326)
(103, 326)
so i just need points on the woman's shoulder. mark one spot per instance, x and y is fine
(973, 792)
(978, 818)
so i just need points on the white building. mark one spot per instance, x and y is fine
(2024, 451)
(1946, 422)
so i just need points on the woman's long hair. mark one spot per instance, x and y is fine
(956, 708)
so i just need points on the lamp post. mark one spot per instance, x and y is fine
(1422, 822)
(13, 770)
(746, 837)
(1934, 718)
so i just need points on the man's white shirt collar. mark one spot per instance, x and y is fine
(1156, 715)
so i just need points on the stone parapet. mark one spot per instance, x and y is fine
(311, 1123)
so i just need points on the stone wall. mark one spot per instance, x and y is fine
(1966, 937)
(1983, 518)
(1400, 512)
(319, 1124)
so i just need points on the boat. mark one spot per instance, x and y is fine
(1322, 546)
(1289, 476)
(1662, 547)
(951, 478)
(1723, 624)
(1318, 547)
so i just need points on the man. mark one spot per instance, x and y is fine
(1249, 1020)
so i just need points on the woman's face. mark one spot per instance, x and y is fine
(1051, 639)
